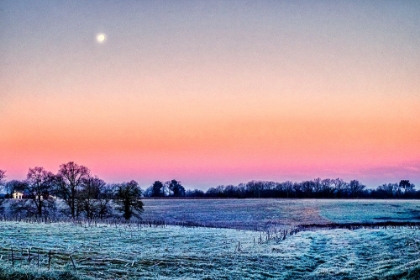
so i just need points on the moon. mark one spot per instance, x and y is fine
(100, 38)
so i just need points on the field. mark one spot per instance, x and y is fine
(116, 251)
(258, 214)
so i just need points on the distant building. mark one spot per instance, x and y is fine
(17, 195)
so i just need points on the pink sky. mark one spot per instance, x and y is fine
(212, 94)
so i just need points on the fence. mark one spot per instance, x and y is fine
(38, 257)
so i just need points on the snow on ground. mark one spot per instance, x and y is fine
(261, 213)
(107, 251)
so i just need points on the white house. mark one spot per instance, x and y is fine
(17, 195)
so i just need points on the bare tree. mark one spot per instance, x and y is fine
(327, 189)
(308, 188)
(2, 176)
(340, 186)
(288, 188)
(105, 197)
(356, 188)
(95, 197)
(317, 186)
(69, 182)
(39, 187)
(389, 189)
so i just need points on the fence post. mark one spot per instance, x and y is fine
(72, 261)
(13, 258)
(49, 260)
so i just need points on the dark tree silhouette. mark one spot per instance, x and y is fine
(255, 188)
(90, 197)
(327, 189)
(340, 187)
(356, 188)
(317, 187)
(194, 193)
(176, 187)
(404, 184)
(104, 202)
(69, 182)
(308, 188)
(157, 189)
(128, 199)
(389, 190)
(409, 189)
(2, 176)
(407, 186)
(38, 189)
(287, 187)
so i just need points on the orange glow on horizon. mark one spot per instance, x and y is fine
(226, 93)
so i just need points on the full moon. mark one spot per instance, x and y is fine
(100, 38)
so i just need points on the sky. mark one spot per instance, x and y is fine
(212, 92)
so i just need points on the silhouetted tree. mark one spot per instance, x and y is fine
(326, 188)
(255, 188)
(219, 192)
(38, 189)
(157, 189)
(194, 193)
(410, 190)
(69, 182)
(356, 188)
(211, 192)
(404, 184)
(232, 191)
(2, 176)
(287, 188)
(92, 202)
(408, 187)
(128, 199)
(317, 187)
(388, 190)
(105, 197)
(308, 188)
(177, 189)
(340, 187)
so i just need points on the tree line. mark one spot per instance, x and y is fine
(83, 194)
(86, 195)
(317, 188)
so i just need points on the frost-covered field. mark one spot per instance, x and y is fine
(260, 213)
(107, 252)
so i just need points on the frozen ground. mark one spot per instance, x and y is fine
(262, 213)
(235, 252)
(110, 252)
